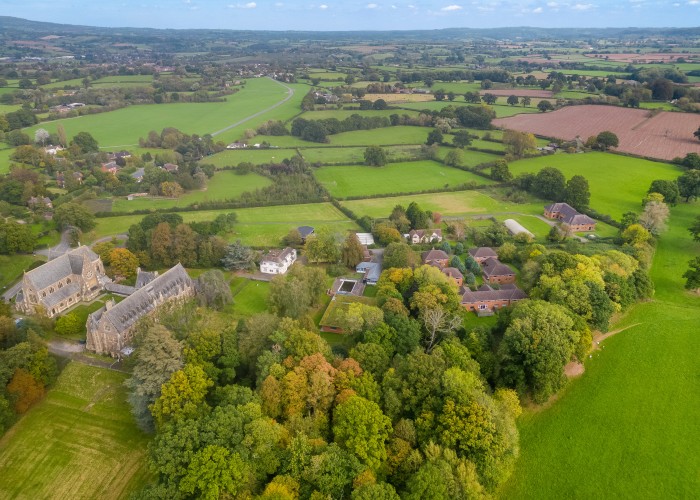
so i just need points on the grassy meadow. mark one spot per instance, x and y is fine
(80, 441)
(232, 157)
(345, 181)
(225, 185)
(628, 427)
(259, 227)
(123, 127)
(617, 183)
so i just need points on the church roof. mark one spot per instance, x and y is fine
(144, 300)
(61, 267)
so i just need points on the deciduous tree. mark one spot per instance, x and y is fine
(360, 427)
(123, 262)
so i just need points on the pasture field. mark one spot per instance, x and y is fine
(356, 154)
(502, 110)
(123, 127)
(665, 135)
(232, 157)
(617, 183)
(79, 442)
(225, 185)
(473, 158)
(12, 267)
(341, 114)
(260, 226)
(388, 135)
(458, 203)
(345, 181)
(59, 84)
(5, 159)
(632, 416)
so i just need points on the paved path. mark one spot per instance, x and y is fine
(75, 351)
(58, 250)
(290, 94)
(121, 236)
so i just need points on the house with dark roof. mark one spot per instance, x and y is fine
(486, 299)
(76, 276)
(454, 274)
(305, 232)
(371, 272)
(110, 329)
(576, 221)
(494, 271)
(482, 253)
(171, 167)
(436, 258)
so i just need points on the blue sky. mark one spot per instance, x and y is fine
(322, 15)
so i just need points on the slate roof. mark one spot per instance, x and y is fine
(373, 270)
(305, 231)
(568, 214)
(482, 252)
(493, 267)
(120, 289)
(434, 255)
(277, 256)
(60, 295)
(143, 301)
(144, 277)
(486, 293)
(59, 268)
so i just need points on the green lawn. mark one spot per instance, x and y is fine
(232, 157)
(225, 185)
(250, 297)
(405, 177)
(5, 159)
(12, 267)
(628, 427)
(79, 442)
(458, 203)
(262, 226)
(124, 126)
(617, 183)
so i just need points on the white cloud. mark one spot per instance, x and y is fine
(451, 8)
(323, 6)
(372, 5)
(552, 4)
(279, 4)
(249, 5)
(538, 10)
(582, 6)
(694, 2)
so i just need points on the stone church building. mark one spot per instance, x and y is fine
(76, 276)
(110, 329)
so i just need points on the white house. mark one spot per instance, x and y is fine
(416, 236)
(278, 261)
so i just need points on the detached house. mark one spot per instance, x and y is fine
(494, 271)
(278, 261)
(436, 258)
(416, 236)
(454, 274)
(486, 300)
(567, 214)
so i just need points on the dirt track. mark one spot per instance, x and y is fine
(665, 135)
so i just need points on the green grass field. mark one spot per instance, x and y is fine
(124, 126)
(79, 442)
(232, 157)
(341, 114)
(617, 183)
(12, 267)
(392, 178)
(458, 203)
(502, 110)
(388, 135)
(260, 227)
(250, 297)
(225, 185)
(628, 427)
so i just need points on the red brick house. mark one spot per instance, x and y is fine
(436, 258)
(486, 300)
(496, 272)
(454, 274)
(482, 253)
(568, 215)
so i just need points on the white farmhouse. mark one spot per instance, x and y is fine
(278, 261)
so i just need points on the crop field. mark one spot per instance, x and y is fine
(664, 136)
(632, 416)
(225, 185)
(79, 442)
(260, 226)
(617, 183)
(123, 127)
(458, 203)
(405, 177)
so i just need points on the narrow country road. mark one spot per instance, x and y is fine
(290, 94)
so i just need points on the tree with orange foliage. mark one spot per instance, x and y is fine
(24, 390)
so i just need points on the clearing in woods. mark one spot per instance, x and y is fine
(80, 441)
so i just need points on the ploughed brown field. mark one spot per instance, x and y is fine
(665, 135)
(518, 92)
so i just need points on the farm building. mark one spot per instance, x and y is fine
(516, 228)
